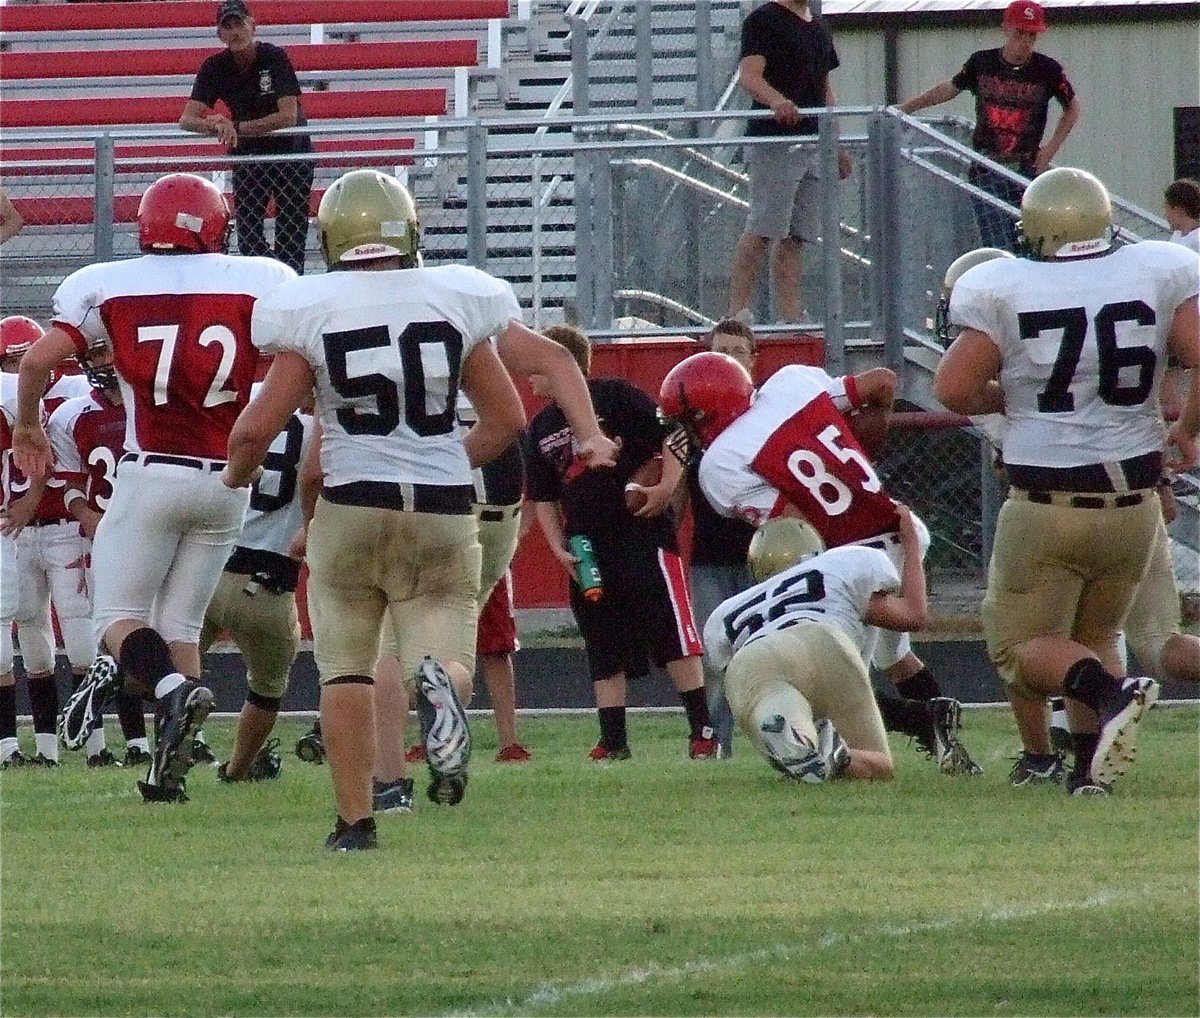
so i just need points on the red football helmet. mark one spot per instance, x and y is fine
(183, 212)
(17, 334)
(704, 394)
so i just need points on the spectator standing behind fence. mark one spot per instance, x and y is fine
(257, 82)
(1013, 86)
(1181, 205)
(787, 54)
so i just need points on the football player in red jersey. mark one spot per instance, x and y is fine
(87, 434)
(47, 546)
(794, 452)
(178, 322)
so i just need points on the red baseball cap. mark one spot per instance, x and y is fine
(1025, 15)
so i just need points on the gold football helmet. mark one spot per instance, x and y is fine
(941, 318)
(779, 544)
(1066, 212)
(366, 215)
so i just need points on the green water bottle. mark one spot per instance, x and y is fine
(587, 570)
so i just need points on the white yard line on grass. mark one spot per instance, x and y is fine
(552, 994)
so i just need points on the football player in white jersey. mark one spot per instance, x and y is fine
(87, 435)
(1152, 627)
(255, 600)
(794, 451)
(797, 643)
(1070, 344)
(386, 345)
(178, 322)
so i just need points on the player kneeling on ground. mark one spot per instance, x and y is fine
(794, 647)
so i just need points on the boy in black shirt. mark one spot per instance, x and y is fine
(1013, 87)
(645, 611)
(258, 83)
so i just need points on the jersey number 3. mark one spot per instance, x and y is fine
(1057, 397)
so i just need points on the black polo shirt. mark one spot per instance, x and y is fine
(253, 94)
(593, 501)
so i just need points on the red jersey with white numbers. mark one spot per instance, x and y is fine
(794, 446)
(179, 328)
(88, 437)
(51, 506)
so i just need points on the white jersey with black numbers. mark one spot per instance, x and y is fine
(387, 348)
(834, 587)
(1084, 346)
(275, 513)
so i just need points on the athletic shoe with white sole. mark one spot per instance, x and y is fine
(184, 710)
(1034, 769)
(790, 753)
(448, 738)
(833, 749)
(84, 709)
(392, 796)
(1119, 722)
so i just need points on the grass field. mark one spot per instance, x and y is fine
(656, 886)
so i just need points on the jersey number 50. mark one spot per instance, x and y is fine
(385, 392)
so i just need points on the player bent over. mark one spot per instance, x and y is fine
(795, 647)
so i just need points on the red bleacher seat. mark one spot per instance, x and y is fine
(132, 63)
(104, 112)
(199, 13)
(80, 210)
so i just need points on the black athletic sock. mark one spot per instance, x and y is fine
(695, 703)
(43, 703)
(131, 716)
(612, 727)
(145, 658)
(908, 717)
(1084, 744)
(8, 712)
(1088, 682)
(919, 686)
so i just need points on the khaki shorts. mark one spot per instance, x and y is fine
(784, 191)
(1058, 570)
(420, 569)
(824, 667)
(1154, 616)
(499, 539)
(264, 627)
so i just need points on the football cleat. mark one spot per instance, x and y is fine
(1119, 722)
(135, 756)
(1034, 769)
(833, 749)
(352, 837)
(41, 760)
(448, 738)
(265, 766)
(601, 752)
(15, 759)
(514, 753)
(82, 714)
(202, 752)
(104, 758)
(790, 753)
(183, 711)
(704, 745)
(310, 747)
(392, 796)
(415, 754)
(1084, 784)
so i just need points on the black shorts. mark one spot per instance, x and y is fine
(645, 615)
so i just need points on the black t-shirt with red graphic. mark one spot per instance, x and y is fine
(1011, 103)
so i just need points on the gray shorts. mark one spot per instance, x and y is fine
(784, 186)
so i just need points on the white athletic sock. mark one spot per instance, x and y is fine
(46, 743)
(95, 742)
(168, 684)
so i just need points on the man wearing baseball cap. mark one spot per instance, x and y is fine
(1013, 86)
(257, 81)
